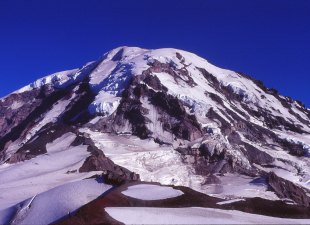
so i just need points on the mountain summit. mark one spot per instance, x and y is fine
(139, 115)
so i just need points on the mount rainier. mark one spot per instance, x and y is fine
(153, 129)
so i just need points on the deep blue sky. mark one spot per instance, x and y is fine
(267, 39)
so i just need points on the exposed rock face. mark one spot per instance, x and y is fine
(131, 110)
(218, 121)
(119, 177)
(175, 118)
(112, 173)
(287, 189)
(181, 74)
(15, 108)
(37, 145)
(23, 118)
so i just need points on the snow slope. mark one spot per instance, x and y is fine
(26, 179)
(56, 203)
(192, 216)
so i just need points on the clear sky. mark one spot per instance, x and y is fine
(267, 39)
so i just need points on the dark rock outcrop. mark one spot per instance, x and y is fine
(287, 189)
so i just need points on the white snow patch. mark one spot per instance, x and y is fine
(16, 105)
(230, 201)
(305, 146)
(151, 192)
(57, 79)
(61, 144)
(241, 90)
(105, 104)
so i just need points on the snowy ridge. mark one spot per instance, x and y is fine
(114, 71)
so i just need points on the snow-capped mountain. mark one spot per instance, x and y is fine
(165, 116)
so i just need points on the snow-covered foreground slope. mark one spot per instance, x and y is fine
(162, 115)
(136, 215)
(54, 204)
(26, 179)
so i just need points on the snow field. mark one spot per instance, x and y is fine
(140, 215)
(151, 192)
